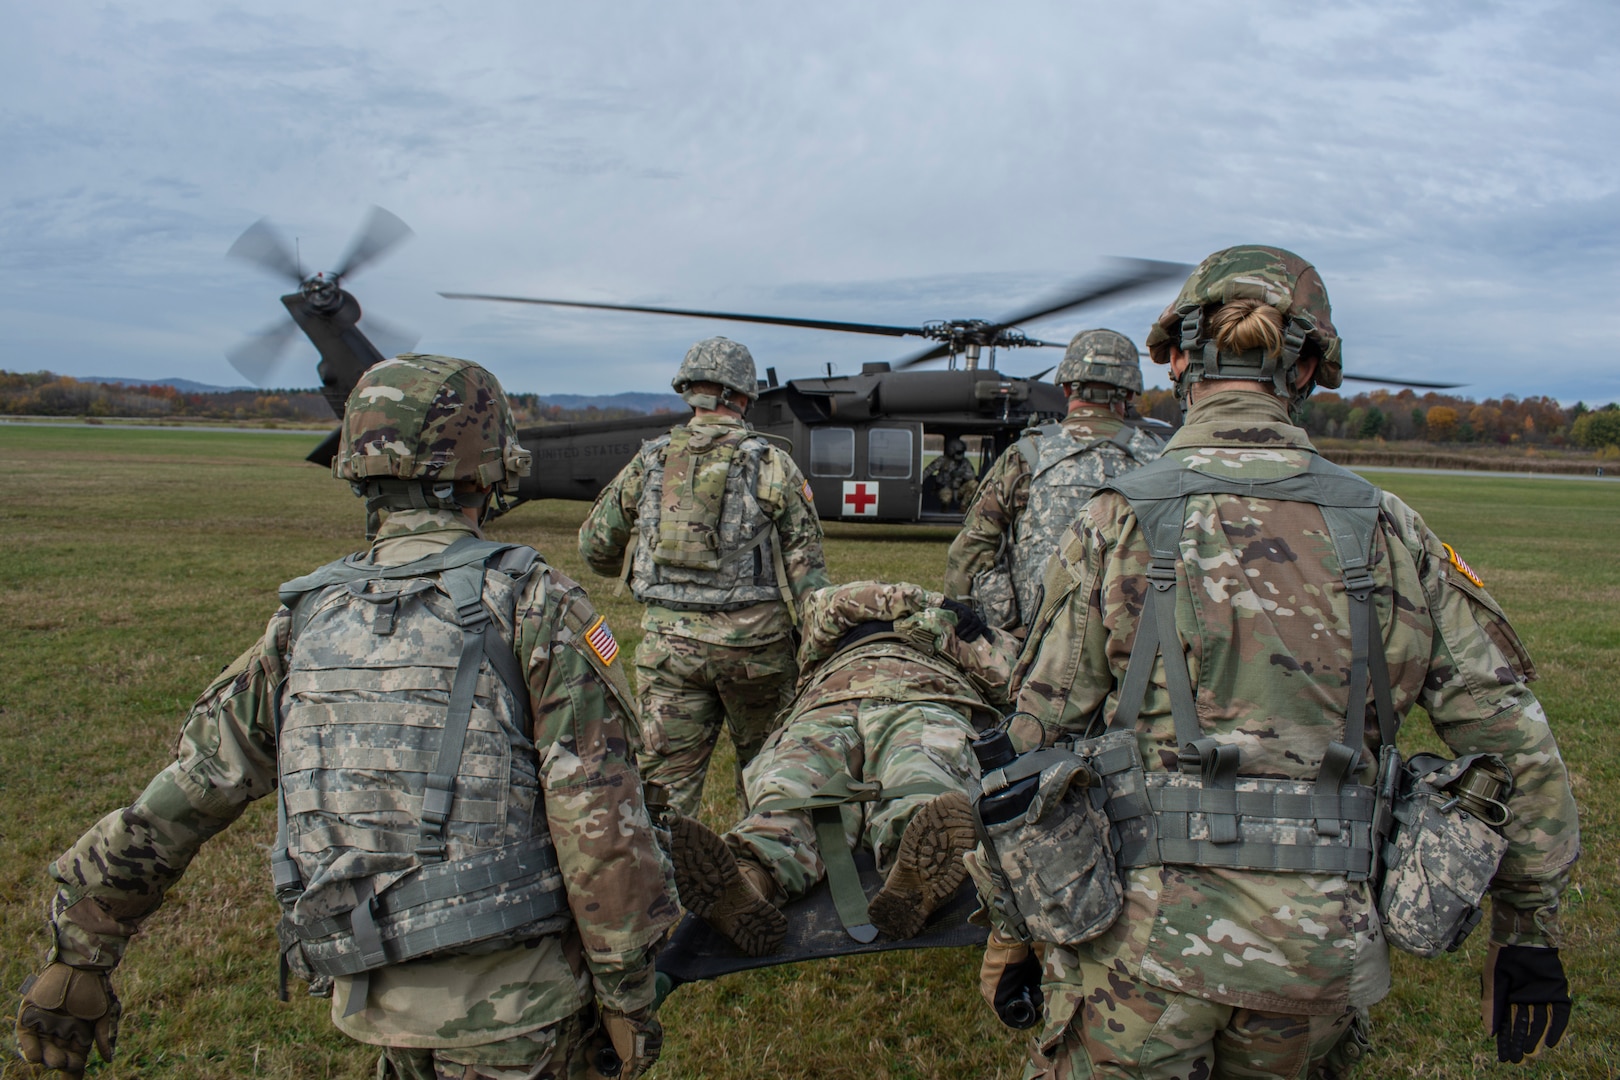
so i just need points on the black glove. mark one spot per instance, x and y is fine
(1525, 999)
(1010, 981)
(65, 1010)
(969, 626)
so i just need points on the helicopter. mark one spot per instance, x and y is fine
(860, 439)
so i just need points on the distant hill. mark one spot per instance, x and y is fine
(634, 400)
(185, 386)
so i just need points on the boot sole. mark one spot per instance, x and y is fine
(928, 869)
(714, 889)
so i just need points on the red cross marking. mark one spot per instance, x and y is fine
(858, 498)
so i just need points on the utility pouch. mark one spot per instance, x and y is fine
(1444, 850)
(1056, 854)
(993, 595)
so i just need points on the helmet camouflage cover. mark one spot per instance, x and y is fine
(1271, 275)
(1101, 356)
(716, 360)
(433, 419)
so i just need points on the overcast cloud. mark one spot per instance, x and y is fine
(1451, 168)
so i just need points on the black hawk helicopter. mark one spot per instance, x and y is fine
(859, 439)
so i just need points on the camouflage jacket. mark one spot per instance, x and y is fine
(1003, 495)
(619, 884)
(1262, 612)
(922, 660)
(610, 529)
(950, 473)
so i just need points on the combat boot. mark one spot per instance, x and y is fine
(928, 869)
(734, 896)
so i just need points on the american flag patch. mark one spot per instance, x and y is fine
(1467, 571)
(809, 498)
(600, 639)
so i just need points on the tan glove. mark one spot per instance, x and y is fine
(1010, 980)
(65, 1009)
(637, 1038)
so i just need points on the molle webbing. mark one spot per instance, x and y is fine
(438, 904)
(692, 499)
(1156, 821)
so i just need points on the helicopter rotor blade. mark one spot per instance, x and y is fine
(1039, 375)
(381, 233)
(257, 356)
(389, 339)
(263, 246)
(1132, 274)
(935, 353)
(729, 316)
(1414, 383)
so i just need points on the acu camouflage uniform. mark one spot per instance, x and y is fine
(718, 644)
(894, 709)
(955, 482)
(1007, 516)
(1268, 970)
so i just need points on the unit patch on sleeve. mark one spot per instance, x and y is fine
(600, 639)
(1462, 567)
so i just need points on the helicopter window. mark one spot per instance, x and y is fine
(832, 452)
(888, 454)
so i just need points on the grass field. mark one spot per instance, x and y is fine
(136, 563)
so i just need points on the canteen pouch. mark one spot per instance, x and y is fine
(992, 594)
(1441, 858)
(1057, 857)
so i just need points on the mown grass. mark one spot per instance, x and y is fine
(136, 563)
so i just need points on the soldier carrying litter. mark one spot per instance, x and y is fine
(715, 530)
(874, 753)
(953, 480)
(1039, 484)
(444, 720)
(1228, 841)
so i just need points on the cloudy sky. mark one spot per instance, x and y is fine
(1451, 167)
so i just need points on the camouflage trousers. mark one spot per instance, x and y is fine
(1118, 1028)
(687, 688)
(559, 1051)
(891, 742)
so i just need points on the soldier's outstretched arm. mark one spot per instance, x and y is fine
(1479, 700)
(1001, 497)
(782, 490)
(620, 886)
(117, 874)
(610, 526)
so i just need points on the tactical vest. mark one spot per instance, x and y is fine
(703, 541)
(1061, 480)
(1206, 812)
(410, 819)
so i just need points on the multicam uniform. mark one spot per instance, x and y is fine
(1003, 514)
(897, 708)
(511, 1012)
(1274, 967)
(718, 644)
(954, 480)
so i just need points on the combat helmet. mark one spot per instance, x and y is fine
(416, 425)
(716, 360)
(1272, 276)
(1101, 356)
(955, 447)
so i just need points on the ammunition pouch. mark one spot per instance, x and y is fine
(1443, 850)
(1055, 859)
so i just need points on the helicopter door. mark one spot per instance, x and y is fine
(890, 466)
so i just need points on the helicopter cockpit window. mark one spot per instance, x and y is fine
(832, 452)
(888, 454)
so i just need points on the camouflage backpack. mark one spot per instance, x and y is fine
(704, 542)
(408, 826)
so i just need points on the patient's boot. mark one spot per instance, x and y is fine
(928, 869)
(735, 896)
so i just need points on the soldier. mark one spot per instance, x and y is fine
(715, 529)
(1038, 486)
(879, 731)
(954, 480)
(430, 857)
(1283, 593)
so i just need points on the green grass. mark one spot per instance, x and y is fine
(136, 563)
